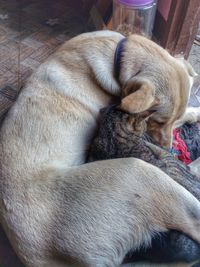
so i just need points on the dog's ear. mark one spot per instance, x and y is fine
(139, 96)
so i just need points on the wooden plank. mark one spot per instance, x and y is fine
(189, 28)
(97, 19)
(8, 96)
(109, 24)
(101, 14)
(87, 5)
(177, 33)
(162, 27)
(102, 6)
(176, 23)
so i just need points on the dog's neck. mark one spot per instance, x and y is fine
(104, 66)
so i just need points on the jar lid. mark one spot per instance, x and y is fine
(136, 2)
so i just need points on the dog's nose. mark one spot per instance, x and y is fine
(162, 136)
(167, 144)
(165, 139)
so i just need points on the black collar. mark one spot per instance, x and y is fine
(117, 58)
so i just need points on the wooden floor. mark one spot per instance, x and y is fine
(30, 30)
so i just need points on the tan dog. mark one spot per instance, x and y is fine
(57, 213)
(152, 79)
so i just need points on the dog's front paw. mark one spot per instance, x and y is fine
(198, 114)
(193, 114)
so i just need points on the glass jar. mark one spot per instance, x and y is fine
(134, 16)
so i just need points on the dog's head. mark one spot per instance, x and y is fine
(152, 79)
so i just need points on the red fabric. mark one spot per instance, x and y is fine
(180, 146)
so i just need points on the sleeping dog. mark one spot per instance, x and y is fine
(58, 211)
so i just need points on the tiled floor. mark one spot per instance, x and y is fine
(30, 30)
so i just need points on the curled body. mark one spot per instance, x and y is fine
(55, 209)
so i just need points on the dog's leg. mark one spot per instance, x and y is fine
(96, 213)
(121, 204)
(192, 114)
